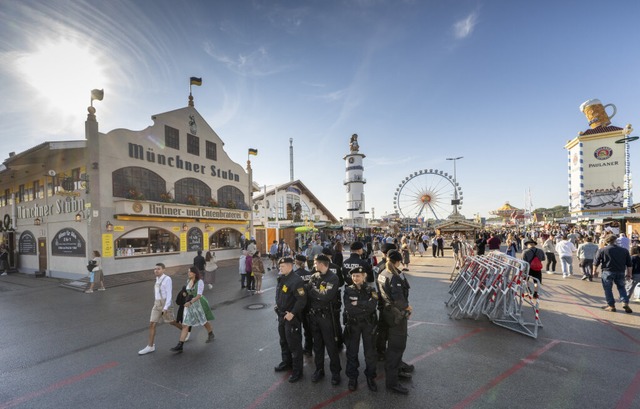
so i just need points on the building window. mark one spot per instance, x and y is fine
(37, 190)
(145, 241)
(138, 183)
(171, 137)
(75, 175)
(193, 144)
(20, 197)
(192, 191)
(211, 150)
(231, 197)
(225, 239)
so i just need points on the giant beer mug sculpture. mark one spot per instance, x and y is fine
(596, 113)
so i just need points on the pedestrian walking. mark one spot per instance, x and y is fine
(197, 311)
(586, 253)
(549, 248)
(242, 269)
(291, 298)
(210, 268)
(161, 310)
(534, 256)
(199, 261)
(96, 274)
(258, 271)
(565, 250)
(616, 265)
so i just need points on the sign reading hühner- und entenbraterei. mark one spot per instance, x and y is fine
(161, 209)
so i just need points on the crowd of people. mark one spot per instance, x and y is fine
(617, 256)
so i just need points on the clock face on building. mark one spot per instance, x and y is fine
(351, 160)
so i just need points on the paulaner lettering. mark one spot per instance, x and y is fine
(603, 164)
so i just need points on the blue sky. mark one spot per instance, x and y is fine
(497, 82)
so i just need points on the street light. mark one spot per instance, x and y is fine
(455, 202)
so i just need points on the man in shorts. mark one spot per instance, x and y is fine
(162, 310)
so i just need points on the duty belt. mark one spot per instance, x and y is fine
(319, 311)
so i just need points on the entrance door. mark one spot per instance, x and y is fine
(42, 254)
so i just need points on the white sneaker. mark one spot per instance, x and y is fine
(210, 286)
(147, 350)
(88, 291)
(102, 289)
(188, 336)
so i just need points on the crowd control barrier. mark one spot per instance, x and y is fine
(496, 286)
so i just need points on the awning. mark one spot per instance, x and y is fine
(305, 229)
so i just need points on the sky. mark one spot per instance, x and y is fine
(496, 82)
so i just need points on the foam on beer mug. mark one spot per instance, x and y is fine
(589, 102)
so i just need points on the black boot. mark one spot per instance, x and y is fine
(371, 383)
(210, 337)
(353, 384)
(178, 348)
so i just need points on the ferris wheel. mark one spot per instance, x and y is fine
(427, 193)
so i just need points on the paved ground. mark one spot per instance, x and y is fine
(64, 348)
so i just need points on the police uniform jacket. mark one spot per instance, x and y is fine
(323, 290)
(366, 299)
(394, 289)
(290, 294)
(304, 274)
(337, 270)
(354, 261)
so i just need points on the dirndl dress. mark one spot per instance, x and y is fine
(198, 313)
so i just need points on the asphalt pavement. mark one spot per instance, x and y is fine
(65, 349)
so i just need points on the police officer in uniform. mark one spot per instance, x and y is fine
(291, 298)
(356, 259)
(299, 269)
(382, 329)
(337, 305)
(360, 302)
(322, 291)
(394, 291)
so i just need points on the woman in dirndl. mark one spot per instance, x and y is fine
(196, 310)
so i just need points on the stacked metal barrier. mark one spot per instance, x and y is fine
(495, 285)
(466, 250)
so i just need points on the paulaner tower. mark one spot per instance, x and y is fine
(354, 183)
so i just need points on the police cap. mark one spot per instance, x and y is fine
(356, 270)
(301, 257)
(327, 251)
(323, 258)
(357, 245)
(285, 260)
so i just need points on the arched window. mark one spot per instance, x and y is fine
(231, 197)
(134, 182)
(225, 238)
(192, 191)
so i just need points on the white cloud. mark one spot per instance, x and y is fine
(463, 28)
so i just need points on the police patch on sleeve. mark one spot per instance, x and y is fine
(374, 295)
(301, 291)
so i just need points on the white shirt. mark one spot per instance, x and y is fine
(162, 290)
(565, 248)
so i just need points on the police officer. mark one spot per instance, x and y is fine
(394, 291)
(322, 291)
(382, 329)
(360, 302)
(337, 305)
(291, 298)
(356, 259)
(299, 269)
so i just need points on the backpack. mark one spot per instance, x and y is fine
(535, 264)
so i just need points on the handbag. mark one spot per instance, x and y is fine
(91, 265)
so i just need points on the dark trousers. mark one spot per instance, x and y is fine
(441, 251)
(324, 336)
(291, 343)
(353, 332)
(434, 249)
(251, 281)
(308, 335)
(243, 280)
(382, 334)
(395, 348)
(551, 261)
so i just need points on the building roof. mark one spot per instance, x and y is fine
(600, 129)
(38, 154)
(270, 190)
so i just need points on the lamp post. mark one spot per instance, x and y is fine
(455, 200)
